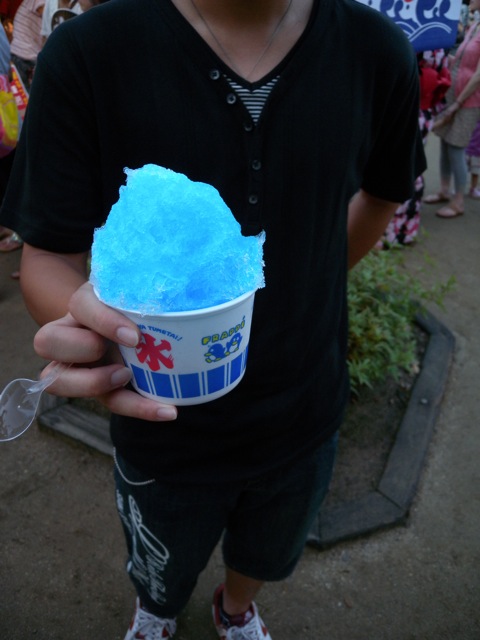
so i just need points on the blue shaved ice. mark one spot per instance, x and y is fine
(170, 244)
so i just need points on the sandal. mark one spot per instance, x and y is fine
(435, 198)
(11, 243)
(450, 211)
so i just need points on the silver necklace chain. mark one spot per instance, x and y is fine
(226, 54)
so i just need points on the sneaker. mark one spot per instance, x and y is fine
(254, 629)
(146, 626)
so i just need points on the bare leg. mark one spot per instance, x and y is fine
(474, 181)
(239, 592)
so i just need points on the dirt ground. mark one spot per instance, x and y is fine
(62, 558)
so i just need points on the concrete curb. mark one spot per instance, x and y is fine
(389, 503)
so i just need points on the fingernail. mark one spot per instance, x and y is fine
(167, 413)
(127, 336)
(121, 377)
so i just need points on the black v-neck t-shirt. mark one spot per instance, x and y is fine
(129, 83)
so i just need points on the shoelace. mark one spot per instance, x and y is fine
(152, 627)
(249, 632)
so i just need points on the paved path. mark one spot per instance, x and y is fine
(61, 563)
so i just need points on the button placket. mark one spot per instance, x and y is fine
(252, 220)
(255, 183)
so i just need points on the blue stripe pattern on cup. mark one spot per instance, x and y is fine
(190, 385)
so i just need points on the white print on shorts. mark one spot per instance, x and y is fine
(149, 555)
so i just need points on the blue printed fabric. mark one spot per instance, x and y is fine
(428, 24)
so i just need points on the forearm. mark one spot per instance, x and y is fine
(49, 280)
(368, 218)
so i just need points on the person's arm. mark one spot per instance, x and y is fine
(472, 85)
(39, 7)
(49, 280)
(368, 218)
(78, 328)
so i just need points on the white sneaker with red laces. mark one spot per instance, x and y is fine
(254, 629)
(146, 626)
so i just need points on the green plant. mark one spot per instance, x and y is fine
(383, 299)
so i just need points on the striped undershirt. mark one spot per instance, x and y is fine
(253, 99)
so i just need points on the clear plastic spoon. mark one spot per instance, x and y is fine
(19, 402)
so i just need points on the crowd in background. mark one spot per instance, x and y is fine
(26, 26)
(438, 71)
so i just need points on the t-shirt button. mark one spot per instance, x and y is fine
(253, 198)
(256, 165)
(248, 126)
(214, 74)
(231, 98)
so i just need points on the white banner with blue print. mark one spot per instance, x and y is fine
(428, 24)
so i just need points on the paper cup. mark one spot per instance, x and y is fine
(191, 357)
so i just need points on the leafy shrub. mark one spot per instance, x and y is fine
(383, 299)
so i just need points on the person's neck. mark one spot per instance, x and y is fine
(250, 36)
(239, 13)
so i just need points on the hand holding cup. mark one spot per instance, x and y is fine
(88, 336)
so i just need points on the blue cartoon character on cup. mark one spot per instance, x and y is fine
(217, 351)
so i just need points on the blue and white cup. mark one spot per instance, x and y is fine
(191, 357)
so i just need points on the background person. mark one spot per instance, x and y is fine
(434, 82)
(457, 123)
(473, 162)
(27, 39)
(8, 9)
(9, 241)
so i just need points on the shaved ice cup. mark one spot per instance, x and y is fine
(191, 357)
